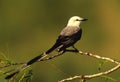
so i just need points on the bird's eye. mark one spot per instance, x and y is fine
(77, 20)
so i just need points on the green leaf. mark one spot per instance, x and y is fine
(4, 56)
(101, 64)
(109, 78)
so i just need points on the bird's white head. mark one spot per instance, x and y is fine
(75, 21)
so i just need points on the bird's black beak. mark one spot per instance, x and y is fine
(84, 19)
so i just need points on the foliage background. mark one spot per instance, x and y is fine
(30, 27)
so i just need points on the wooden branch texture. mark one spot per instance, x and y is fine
(85, 77)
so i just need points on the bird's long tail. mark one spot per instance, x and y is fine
(35, 59)
(42, 55)
(55, 46)
(25, 65)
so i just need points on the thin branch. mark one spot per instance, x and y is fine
(8, 65)
(85, 77)
(49, 58)
(23, 63)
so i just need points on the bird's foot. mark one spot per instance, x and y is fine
(75, 49)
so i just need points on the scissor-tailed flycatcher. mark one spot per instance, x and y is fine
(68, 37)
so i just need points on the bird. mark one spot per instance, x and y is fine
(67, 38)
(69, 35)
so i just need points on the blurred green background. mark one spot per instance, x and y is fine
(30, 27)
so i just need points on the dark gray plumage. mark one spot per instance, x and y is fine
(68, 37)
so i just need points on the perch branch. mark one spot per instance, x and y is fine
(85, 77)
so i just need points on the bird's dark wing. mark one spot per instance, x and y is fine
(69, 40)
(66, 38)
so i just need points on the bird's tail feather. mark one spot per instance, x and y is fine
(52, 48)
(26, 65)
(34, 60)
(42, 55)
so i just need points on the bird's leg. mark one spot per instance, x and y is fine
(75, 49)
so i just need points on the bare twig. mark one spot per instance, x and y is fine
(8, 65)
(85, 77)
(49, 58)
